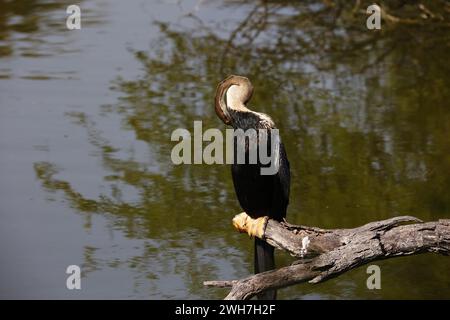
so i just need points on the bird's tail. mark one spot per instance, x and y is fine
(264, 261)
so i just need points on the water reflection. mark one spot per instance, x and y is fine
(364, 117)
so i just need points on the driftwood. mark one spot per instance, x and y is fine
(335, 251)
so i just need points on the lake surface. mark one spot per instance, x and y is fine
(86, 118)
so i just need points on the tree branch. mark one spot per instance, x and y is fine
(335, 251)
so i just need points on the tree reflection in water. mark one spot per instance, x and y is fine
(363, 114)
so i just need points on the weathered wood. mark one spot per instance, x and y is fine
(335, 251)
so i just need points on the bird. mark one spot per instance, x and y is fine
(258, 195)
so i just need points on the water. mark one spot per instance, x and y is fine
(85, 124)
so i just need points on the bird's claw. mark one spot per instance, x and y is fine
(253, 227)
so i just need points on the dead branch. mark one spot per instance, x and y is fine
(328, 253)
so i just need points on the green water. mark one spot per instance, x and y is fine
(86, 118)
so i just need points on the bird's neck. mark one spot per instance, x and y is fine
(237, 106)
(234, 99)
(243, 117)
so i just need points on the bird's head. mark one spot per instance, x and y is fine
(233, 93)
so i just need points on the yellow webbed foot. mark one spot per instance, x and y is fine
(254, 227)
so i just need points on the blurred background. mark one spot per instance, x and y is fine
(86, 117)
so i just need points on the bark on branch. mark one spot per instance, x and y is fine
(328, 253)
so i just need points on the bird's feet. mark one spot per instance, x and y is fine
(253, 227)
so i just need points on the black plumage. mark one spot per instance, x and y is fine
(259, 195)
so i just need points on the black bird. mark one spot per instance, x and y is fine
(259, 195)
